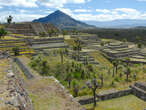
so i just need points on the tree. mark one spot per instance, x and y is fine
(64, 33)
(61, 52)
(102, 79)
(69, 79)
(115, 64)
(9, 19)
(44, 67)
(135, 76)
(93, 85)
(16, 51)
(102, 43)
(83, 74)
(75, 88)
(128, 71)
(86, 60)
(139, 45)
(42, 34)
(77, 47)
(3, 32)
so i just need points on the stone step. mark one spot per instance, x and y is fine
(139, 92)
(141, 86)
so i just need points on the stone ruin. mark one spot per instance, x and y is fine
(29, 28)
(138, 89)
(121, 50)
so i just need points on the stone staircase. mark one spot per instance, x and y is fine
(83, 56)
(139, 90)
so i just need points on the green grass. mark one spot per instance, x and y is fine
(123, 103)
(120, 83)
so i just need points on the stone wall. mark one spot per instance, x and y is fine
(25, 69)
(139, 90)
(104, 96)
(114, 94)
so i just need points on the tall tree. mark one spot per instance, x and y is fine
(93, 85)
(61, 52)
(102, 79)
(127, 72)
(75, 88)
(69, 79)
(115, 64)
(77, 47)
(9, 19)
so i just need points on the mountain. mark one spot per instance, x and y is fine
(63, 21)
(125, 23)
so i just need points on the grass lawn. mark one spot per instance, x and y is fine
(124, 103)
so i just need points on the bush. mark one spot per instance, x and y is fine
(117, 79)
(16, 51)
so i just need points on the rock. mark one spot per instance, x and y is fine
(10, 75)
(14, 101)
(7, 102)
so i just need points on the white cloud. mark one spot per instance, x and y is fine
(20, 3)
(82, 10)
(113, 14)
(67, 11)
(127, 10)
(102, 10)
(100, 15)
(60, 3)
(34, 3)
(19, 16)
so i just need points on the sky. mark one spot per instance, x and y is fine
(83, 10)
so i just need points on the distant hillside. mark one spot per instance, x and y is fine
(130, 34)
(63, 21)
(125, 23)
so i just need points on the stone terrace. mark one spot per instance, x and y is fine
(139, 90)
(120, 50)
(29, 28)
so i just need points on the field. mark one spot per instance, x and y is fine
(45, 91)
(123, 103)
(120, 82)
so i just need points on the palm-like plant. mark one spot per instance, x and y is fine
(127, 72)
(115, 64)
(9, 19)
(102, 79)
(3, 33)
(69, 79)
(77, 47)
(61, 52)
